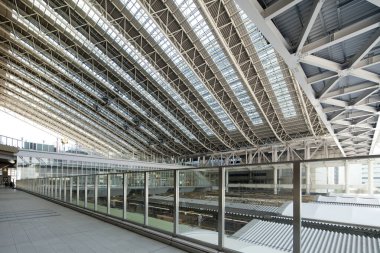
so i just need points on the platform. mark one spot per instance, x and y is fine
(31, 224)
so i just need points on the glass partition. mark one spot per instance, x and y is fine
(161, 200)
(75, 192)
(102, 194)
(116, 197)
(67, 183)
(91, 192)
(82, 191)
(244, 208)
(340, 199)
(61, 188)
(135, 197)
(198, 204)
(258, 199)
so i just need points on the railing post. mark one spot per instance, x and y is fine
(64, 190)
(221, 210)
(56, 188)
(146, 198)
(85, 191)
(96, 186)
(78, 190)
(125, 193)
(71, 190)
(60, 188)
(176, 202)
(108, 193)
(297, 200)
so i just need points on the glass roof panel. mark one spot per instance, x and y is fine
(150, 69)
(203, 31)
(271, 67)
(106, 60)
(170, 50)
(81, 62)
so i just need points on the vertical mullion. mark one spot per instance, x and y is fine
(64, 189)
(146, 198)
(77, 190)
(297, 195)
(96, 193)
(85, 191)
(176, 202)
(125, 192)
(221, 204)
(108, 193)
(71, 190)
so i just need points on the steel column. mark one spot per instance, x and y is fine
(125, 193)
(146, 198)
(96, 189)
(221, 210)
(297, 201)
(85, 191)
(176, 203)
(108, 194)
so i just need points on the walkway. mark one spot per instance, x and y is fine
(30, 224)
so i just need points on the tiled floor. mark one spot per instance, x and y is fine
(33, 225)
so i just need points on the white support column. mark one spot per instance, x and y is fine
(370, 176)
(346, 177)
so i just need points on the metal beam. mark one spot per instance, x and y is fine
(370, 43)
(317, 6)
(272, 34)
(278, 7)
(375, 2)
(345, 33)
(351, 89)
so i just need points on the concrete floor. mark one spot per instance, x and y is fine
(30, 224)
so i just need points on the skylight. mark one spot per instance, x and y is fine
(271, 67)
(50, 76)
(73, 77)
(123, 43)
(81, 39)
(202, 30)
(89, 69)
(57, 102)
(179, 61)
(55, 116)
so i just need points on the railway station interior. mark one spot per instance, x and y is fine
(190, 126)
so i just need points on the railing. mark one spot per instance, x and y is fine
(227, 208)
(74, 149)
(9, 141)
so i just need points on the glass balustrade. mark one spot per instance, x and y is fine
(245, 208)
